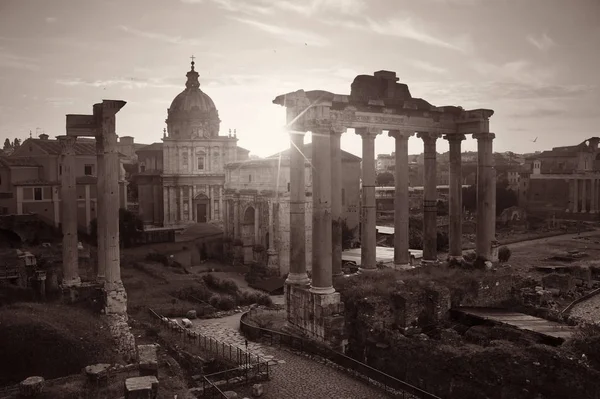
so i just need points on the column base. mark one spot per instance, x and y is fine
(72, 282)
(425, 262)
(402, 266)
(297, 279)
(272, 259)
(115, 298)
(367, 270)
(317, 316)
(322, 290)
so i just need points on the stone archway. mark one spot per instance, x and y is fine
(248, 222)
(201, 208)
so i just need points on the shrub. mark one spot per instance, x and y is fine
(504, 254)
(264, 299)
(226, 285)
(470, 256)
(226, 302)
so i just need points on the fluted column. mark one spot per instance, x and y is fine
(221, 218)
(297, 274)
(69, 208)
(401, 199)
(575, 204)
(584, 208)
(100, 212)
(322, 280)
(429, 197)
(256, 223)
(236, 219)
(336, 201)
(368, 238)
(486, 219)
(455, 198)
(111, 201)
(594, 193)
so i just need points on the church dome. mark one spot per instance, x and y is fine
(192, 113)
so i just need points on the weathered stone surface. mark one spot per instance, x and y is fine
(257, 390)
(563, 282)
(186, 323)
(191, 314)
(31, 386)
(97, 372)
(230, 395)
(148, 360)
(141, 387)
(119, 330)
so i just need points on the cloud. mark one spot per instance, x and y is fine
(406, 28)
(126, 83)
(428, 67)
(50, 20)
(543, 43)
(243, 6)
(287, 34)
(311, 7)
(520, 71)
(161, 37)
(192, 1)
(11, 60)
(60, 101)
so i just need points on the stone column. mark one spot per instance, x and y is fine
(181, 214)
(594, 194)
(297, 274)
(486, 219)
(401, 200)
(455, 198)
(336, 201)
(70, 255)
(575, 203)
(322, 281)
(584, 208)
(191, 204)
(429, 198)
(272, 260)
(256, 223)
(236, 219)
(211, 200)
(100, 211)
(221, 218)
(368, 236)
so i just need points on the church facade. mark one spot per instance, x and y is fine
(181, 180)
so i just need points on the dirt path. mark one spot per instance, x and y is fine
(547, 240)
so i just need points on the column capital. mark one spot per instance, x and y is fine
(67, 144)
(368, 132)
(484, 136)
(454, 137)
(401, 134)
(428, 136)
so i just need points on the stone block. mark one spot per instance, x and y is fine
(563, 282)
(257, 390)
(191, 314)
(31, 387)
(230, 395)
(98, 373)
(141, 388)
(186, 323)
(148, 360)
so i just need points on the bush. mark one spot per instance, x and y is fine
(470, 256)
(226, 285)
(504, 254)
(226, 302)
(264, 299)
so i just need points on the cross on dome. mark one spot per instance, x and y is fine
(193, 63)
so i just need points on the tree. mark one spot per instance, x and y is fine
(130, 227)
(7, 144)
(505, 197)
(385, 179)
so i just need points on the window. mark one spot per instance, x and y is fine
(184, 158)
(37, 193)
(88, 170)
(200, 163)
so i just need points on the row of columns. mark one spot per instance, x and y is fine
(107, 208)
(326, 197)
(582, 192)
(175, 203)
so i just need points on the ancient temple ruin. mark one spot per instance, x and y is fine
(376, 103)
(101, 126)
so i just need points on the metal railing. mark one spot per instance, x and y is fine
(373, 376)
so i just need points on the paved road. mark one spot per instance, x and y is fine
(292, 376)
(588, 310)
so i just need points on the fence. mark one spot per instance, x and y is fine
(249, 367)
(388, 383)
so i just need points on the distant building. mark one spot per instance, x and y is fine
(30, 180)
(563, 181)
(385, 163)
(257, 193)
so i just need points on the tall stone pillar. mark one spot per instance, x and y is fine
(336, 200)
(401, 199)
(575, 196)
(116, 301)
(221, 218)
(322, 280)
(236, 219)
(181, 200)
(256, 224)
(70, 256)
(272, 259)
(368, 236)
(584, 208)
(191, 204)
(100, 211)
(429, 198)
(593, 196)
(455, 205)
(297, 274)
(486, 219)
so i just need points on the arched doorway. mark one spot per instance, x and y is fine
(248, 233)
(201, 205)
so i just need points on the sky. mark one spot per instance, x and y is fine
(536, 63)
